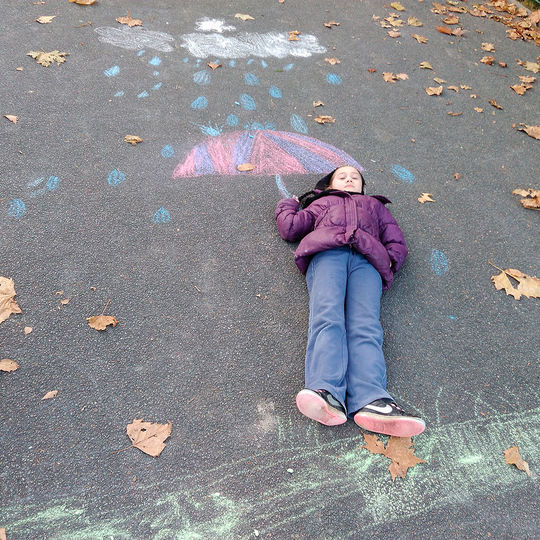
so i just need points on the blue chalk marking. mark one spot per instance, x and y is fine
(116, 177)
(34, 183)
(157, 86)
(212, 131)
(452, 317)
(202, 77)
(216, 60)
(52, 183)
(112, 71)
(251, 79)
(17, 208)
(333, 78)
(161, 216)
(186, 60)
(232, 120)
(198, 62)
(403, 174)
(156, 61)
(264, 64)
(140, 53)
(247, 102)
(119, 94)
(250, 61)
(257, 125)
(288, 67)
(167, 151)
(270, 126)
(439, 262)
(232, 63)
(298, 124)
(200, 103)
(156, 73)
(275, 92)
(143, 94)
(281, 186)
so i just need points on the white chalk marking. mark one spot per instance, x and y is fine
(246, 44)
(206, 24)
(135, 38)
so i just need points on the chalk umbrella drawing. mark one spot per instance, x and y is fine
(271, 152)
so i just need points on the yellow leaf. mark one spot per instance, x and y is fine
(8, 365)
(529, 286)
(64, 301)
(324, 119)
(434, 90)
(100, 322)
(293, 35)
(487, 60)
(7, 303)
(513, 457)
(132, 139)
(425, 197)
(501, 281)
(148, 437)
(520, 89)
(397, 6)
(394, 33)
(413, 21)
(50, 395)
(244, 17)
(389, 77)
(12, 118)
(47, 58)
(420, 39)
(244, 167)
(45, 19)
(489, 47)
(530, 66)
(129, 20)
(426, 65)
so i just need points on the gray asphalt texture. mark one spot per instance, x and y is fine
(212, 311)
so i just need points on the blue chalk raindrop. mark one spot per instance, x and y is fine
(275, 92)
(202, 77)
(186, 60)
(157, 86)
(52, 183)
(270, 125)
(156, 73)
(247, 102)
(17, 208)
(439, 262)
(156, 61)
(112, 71)
(143, 94)
(251, 79)
(333, 78)
(200, 103)
(264, 64)
(232, 63)
(119, 94)
(167, 151)
(250, 61)
(288, 67)
(116, 177)
(232, 120)
(298, 124)
(403, 174)
(140, 53)
(161, 216)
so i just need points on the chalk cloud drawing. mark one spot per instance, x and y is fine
(135, 38)
(272, 152)
(206, 24)
(245, 44)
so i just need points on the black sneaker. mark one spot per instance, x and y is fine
(386, 417)
(321, 406)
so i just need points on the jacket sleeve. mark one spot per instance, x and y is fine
(392, 238)
(293, 223)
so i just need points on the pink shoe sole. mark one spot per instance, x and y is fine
(390, 425)
(313, 406)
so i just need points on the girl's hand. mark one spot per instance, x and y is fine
(295, 198)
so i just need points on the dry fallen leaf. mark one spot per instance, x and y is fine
(132, 139)
(8, 365)
(439, 80)
(373, 443)
(243, 167)
(329, 24)
(45, 19)
(100, 322)
(425, 197)
(426, 65)
(129, 20)
(324, 119)
(244, 17)
(389, 77)
(47, 58)
(513, 457)
(12, 118)
(394, 33)
(148, 436)
(493, 103)
(420, 39)
(50, 395)
(64, 301)
(332, 61)
(397, 6)
(529, 66)
(529, 286)
(28, 330)
(531, 198)
(454, 113)
(413, 21)
(372, 70)
(402, 76)
(7, 303)
(452, 19)
(527, 79)
(465, 87)
(478, 109)
(293, 35)
(445, 30)
(520, 89)
(531, 131)
(487, 60)
(434, 90)
(488, 47)
(454, 88)
(213, 66)
(318, 103)
(83, 2)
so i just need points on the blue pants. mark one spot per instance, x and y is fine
(344, 350)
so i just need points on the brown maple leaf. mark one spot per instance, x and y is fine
(373, 443)
(531, 198)
(47, 58)
(425, 197)
(531, 131)
(528, 286)
(7, 295)
(513, 457)
(129, 20)
(148, 436)
(488, 59)
(100, 322)
(420, 39)
(293, 35)
(400, 450)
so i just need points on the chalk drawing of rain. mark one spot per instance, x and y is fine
(271, 152)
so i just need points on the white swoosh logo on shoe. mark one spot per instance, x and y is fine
(387, 409)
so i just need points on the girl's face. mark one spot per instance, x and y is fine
(346, 179)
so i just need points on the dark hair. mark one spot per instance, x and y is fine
(322, 185)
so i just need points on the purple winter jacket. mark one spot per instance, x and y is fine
(340, 219)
